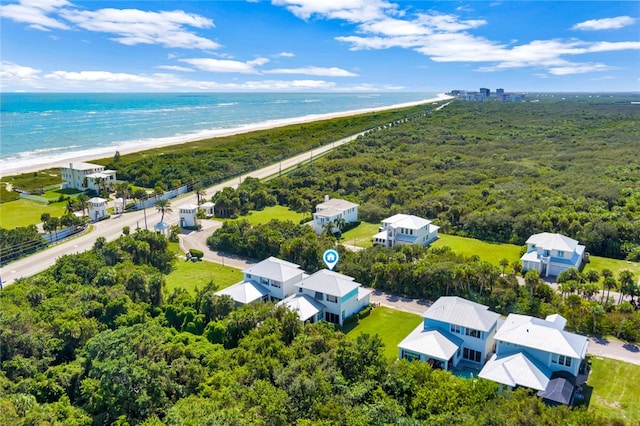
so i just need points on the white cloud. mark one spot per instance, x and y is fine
(18, 75)
(572, 68)
(349, 10)
(317, 71)
(226, 65)
(175, 68)
(285, 55)
(605, 23)
(448, 38)
(34, 13)
(133, 26)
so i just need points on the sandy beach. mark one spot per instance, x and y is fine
(7, 170)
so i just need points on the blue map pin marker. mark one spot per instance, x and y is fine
(330, 258)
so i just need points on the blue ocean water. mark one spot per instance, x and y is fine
(46, 128)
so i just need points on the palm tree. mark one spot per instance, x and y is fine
(198, 189)
(70, 207)
(123, 191)
(627, 282)
(163, 206)
(608, 284)
(504, 263)
(83, 203)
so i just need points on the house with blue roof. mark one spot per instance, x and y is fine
(550, 254)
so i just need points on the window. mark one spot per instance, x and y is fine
(332, 318)
(471, 355)
(560, 253)
(410, 356)
(332, 299)
(276, 284)
(473, 333)
(456, 329)
(561, 360)
(319, 296)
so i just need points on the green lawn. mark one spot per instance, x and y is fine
(390, 324)
(361, 235)
(597, 263)
(190, 275)
(491, 252)
(616, 389)
(25, 212)
(274, 212)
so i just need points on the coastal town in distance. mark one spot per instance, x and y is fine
(363, 213)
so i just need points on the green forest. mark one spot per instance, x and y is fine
(496, 172)
(94, 340)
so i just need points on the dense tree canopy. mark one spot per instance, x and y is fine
(495, 172)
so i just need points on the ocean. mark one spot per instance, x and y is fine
(39, 129)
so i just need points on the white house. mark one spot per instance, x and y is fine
(550, 254)
(537, 354)
(403, 229)
(278, 276)
(454, 329)
(207, 208)
(271, 279)
(187, 214)
(83, 176)
(339, 294)
(97, 208)
(332, 210)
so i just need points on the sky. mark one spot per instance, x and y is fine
(319, 45)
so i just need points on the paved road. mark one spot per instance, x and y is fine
(112, 227)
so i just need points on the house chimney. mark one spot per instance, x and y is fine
(326, 198)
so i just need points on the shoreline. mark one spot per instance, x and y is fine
(45, 164)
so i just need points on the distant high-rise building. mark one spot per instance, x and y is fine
(485, 92)
(499, 91)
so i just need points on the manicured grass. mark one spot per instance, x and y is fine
(189, 275)
(25, 212)
(390, 324)
(274, 212)
(616, 389)
(597, 263)
(361, 235)
(491, 252)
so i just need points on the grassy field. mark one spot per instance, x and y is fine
(190, 275)
(361, 235)
(491, 252)
(25, 212)
(274, 212)
(599, 263)
(616, 389)
(391, 325)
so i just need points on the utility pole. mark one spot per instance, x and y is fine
(144, 210)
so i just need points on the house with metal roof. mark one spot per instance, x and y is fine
(550, 254)
(454, 329)
(331, 210)
(83, 176)
(403, 229)
(340, 295)
(537, 354)
(271, 279)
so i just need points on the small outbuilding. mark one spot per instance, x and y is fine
(187, 213)
(118, 206)
(162, 228)
(97, 208)
(207, 208)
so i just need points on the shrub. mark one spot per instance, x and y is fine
(196, 253)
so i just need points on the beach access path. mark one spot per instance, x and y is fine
(112, 228)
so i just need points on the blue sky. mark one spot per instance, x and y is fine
(319, 45)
